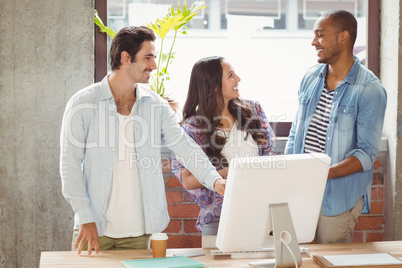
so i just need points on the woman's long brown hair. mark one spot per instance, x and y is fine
(205, 102)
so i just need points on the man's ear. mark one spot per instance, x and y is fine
(125, 58)
(344, 37)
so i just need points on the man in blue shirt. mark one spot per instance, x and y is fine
(341, 113)
(110, 162)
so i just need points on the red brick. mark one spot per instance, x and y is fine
(183, 210)
(377, 208)
(377, 163)
(173, 227)
(378, 179)
(357, 237)
(173, 182)
(174, 197)
(369, 223)
(189, 226)
(184, 241)
(375, 236)
(377, 193)
(166, 165)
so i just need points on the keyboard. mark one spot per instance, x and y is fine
(250, 254)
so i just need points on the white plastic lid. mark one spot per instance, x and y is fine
(159, 236)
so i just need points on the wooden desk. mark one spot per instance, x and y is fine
(114, 258)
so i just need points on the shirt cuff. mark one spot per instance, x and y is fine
(210, 182)
(363, 157)
(84, 215)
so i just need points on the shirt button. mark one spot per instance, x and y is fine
(112, 107)
(330, 121)
(328, 138)
(336, 92)
(344, 111)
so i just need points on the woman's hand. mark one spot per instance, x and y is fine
(191, 183)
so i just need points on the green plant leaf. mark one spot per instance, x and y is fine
(172, 11)
(184, 7)
(102, 27)
(188, 14)
(162, 26)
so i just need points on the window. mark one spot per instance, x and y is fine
(310, 10)
(267, 41)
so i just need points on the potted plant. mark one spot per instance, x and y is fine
(174, 20)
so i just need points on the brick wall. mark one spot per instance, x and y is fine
(370, 227)
(183, 215)
(183, 211)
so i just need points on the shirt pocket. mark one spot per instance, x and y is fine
(304, 100)
(346, 118)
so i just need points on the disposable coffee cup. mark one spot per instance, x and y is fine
(159, 245)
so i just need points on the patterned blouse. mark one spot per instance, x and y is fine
(209, 201)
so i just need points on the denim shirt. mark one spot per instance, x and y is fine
(355, 128)
(88, 142)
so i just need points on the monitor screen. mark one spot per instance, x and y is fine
(255, 183)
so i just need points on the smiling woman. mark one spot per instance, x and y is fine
(225, 126)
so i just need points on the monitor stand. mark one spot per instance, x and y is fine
(287, 251)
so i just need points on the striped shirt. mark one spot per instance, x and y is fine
(317, 131)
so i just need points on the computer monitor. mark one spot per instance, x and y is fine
(256, 184)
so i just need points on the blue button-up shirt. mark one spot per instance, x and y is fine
(88, 143)
(355, 128)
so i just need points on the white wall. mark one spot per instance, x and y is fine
(390, 72)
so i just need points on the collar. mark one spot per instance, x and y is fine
(350, 77)
(142, 91)
(106, 93)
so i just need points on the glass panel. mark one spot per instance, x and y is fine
(310, 10)
(117, 9)
(271, 8)
(259, 14)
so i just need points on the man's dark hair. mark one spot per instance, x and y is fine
(128, 39)
(343, 21)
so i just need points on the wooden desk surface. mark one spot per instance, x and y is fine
(114, 258)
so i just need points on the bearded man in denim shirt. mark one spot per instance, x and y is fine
(341, 113)
(110, 160)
